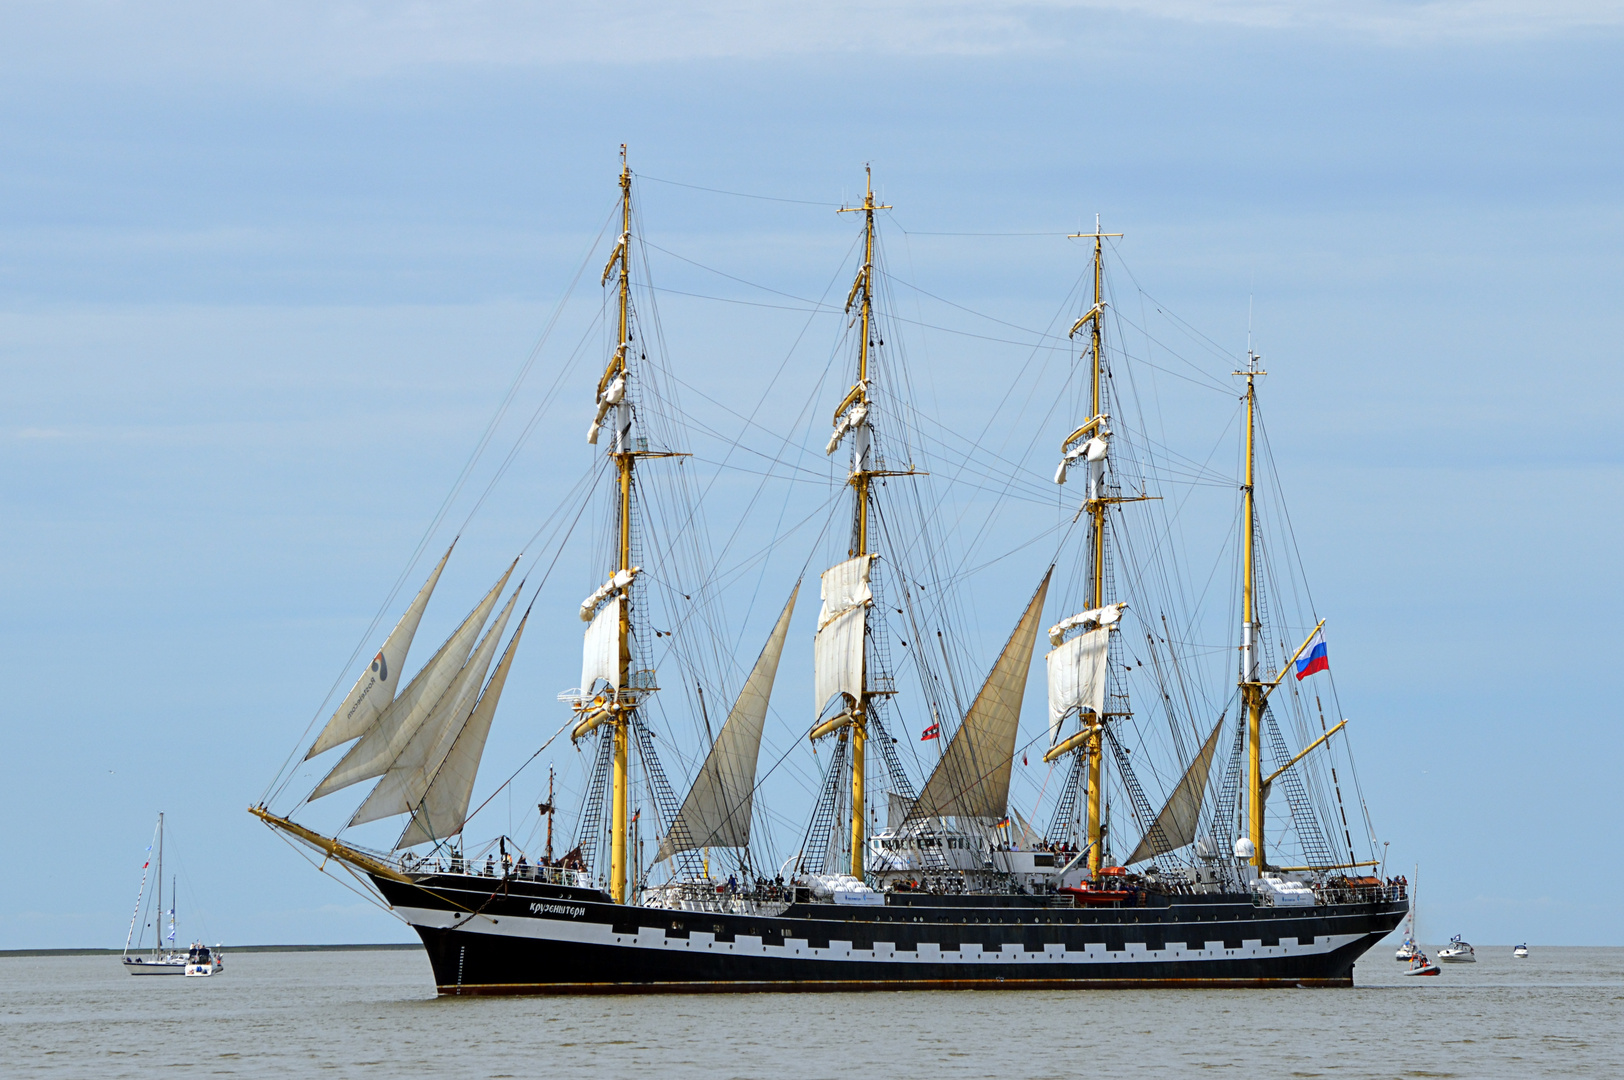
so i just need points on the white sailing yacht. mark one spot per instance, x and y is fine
(160, 960)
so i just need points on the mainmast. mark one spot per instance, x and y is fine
(1096, 507)
(1252, 689)
(1090, 442)
(620, 788)
(851, 417)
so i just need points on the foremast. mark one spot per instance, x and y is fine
(615, 707)
(851, 419)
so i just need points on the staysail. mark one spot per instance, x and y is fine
(375, 689)
(972, 779)
(716, 812)
(383, 742)
(408, 776)
(837, 651)
(1179, 819)
(443, 809)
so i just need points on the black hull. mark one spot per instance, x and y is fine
(489, 936)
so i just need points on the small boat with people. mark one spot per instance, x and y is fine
(202, 962)
(1520, 952)
(1457, 952)
(1420, 965)
(1408, 950)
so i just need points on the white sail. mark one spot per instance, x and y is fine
(1181, 816)
(716, 812)
(972, 779)
(1077, 675)
(837, 650)
(444, 807)
(388, 735)
(408, 776)
(375, 689)
(600, 653)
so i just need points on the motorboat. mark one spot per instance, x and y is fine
(1520, 952)
(1457, 952)
(201, 961)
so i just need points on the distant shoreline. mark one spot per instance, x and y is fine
(381, 947)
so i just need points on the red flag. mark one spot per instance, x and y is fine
(932, 732)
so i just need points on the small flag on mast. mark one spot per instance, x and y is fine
(1314, 658)
(932, 732)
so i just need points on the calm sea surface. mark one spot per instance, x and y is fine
(1559, 1013)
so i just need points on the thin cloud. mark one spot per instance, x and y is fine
(297, 39)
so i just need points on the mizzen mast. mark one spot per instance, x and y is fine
(1252, 689)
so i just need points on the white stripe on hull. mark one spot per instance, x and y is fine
(743, 945)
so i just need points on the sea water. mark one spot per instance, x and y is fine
(374, 1013)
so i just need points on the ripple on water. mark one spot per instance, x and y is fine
(1559, 1013)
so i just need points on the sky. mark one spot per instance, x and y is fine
(267, 272)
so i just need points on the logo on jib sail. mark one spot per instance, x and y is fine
(380, 667)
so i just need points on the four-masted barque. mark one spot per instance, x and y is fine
(1221, 886)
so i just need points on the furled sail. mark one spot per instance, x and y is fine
(389, 734)
(408, 776)
(1077, 675)
(1092, 619)
(1179, 818)
(600, 653)
(375, 689)
(444, 807)
(716, 812)
(972, 779)
(837, 651)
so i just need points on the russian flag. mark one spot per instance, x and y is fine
(1314, 658)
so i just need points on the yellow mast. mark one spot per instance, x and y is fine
(862, 291)
(1096, 507)
(1252, 691)
(622, 453)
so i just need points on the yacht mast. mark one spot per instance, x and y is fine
(1252, 689)
(158, 923)
(857, 401)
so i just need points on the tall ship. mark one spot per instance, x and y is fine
(1190, 814)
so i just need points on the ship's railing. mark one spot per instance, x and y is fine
(554, 875)
(545, 875)
(708, 896)
(1337, 891)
